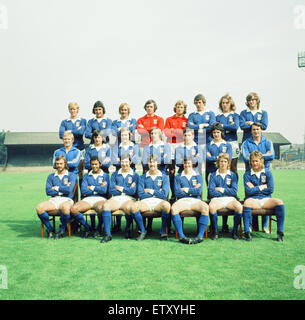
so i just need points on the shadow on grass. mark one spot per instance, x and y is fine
(24, 228)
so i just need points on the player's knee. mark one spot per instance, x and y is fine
(166, 207)
(74, 209)
(107, 206)
(248, 203)
(278, 202)
(98, 208)
(174, 210)
(134, 207)
(39, 209)
(212, 208)
(238, 207)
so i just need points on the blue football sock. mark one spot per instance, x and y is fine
(139, 220)
(214, 221)
(165, 218)
(64, 218)
(128, 218)
(178, 225)
(237, 220)
(80, 218)
(265, 220)
(202, 224)
(44, 217)
(280, 215)
(246, 217)
(106, 214)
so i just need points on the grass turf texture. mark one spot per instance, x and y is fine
(79, 268)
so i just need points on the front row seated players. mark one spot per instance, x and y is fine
(188, 189)
(123, 187)
(59, 186)
(94, 190)
(222, 191)
(153, 189)
(259, 186)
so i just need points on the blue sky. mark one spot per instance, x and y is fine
(54, 52)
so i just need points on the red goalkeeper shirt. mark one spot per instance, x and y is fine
(174, 127)
(145, 123)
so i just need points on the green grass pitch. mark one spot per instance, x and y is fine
(79, 268)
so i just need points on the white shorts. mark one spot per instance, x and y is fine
(223, 201)
(173, 148)
(152, 202)
(93, 200)
(122, 199)
(57, 201)
(235, 149)
(262, 201)
(187, 202)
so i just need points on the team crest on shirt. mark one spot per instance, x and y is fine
(155, 121)
(77, 124)
(100, 180)
(129, 180)
(264, 179)
(159, 182)
(162, 149)
(103, 153)
(194, 182)
(66, 181)
(259, 117)
(224, 149)
(228, 181)
(231, 119)
(207, 117)
(183, 124)
(104, 125)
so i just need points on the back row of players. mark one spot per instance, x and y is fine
(187, 140)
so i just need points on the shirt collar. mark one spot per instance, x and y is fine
(220, 142)
(227, 113)
(130, 144)
(226, 173)
(161, 143)
(93, 174)
(125, 173)
(159, 174)
(69, 119)
(203, 112)
(257, 173)
(254, 111)
(64, 149)
(124, 120)
(193, 173)
(191, 145)
(99, 119)
(97, 148)
(64, 174)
